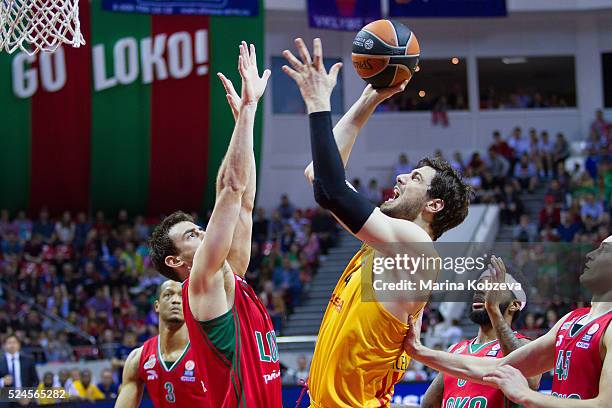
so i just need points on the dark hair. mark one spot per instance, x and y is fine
(449, 186)
(161, 246)
(13, 336)
(515, 316)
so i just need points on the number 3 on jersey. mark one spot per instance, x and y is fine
(563, 365)
(170, 392)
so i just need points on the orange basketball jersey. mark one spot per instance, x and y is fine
(359, 353)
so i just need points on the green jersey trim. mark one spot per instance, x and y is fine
(164, 363)
(221, 335)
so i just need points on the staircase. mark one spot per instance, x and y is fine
(532, 203)
(307, 317)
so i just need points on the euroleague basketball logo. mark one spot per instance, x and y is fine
(368, 44)
(150, 363)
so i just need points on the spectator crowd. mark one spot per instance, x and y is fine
(76, 287)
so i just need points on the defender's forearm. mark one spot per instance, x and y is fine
(509, 342)
(534, 399)
(236, 167)
(504, 333)
(460, 366)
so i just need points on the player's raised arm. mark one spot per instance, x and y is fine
(330, 188)
(508, 340)
(132, 387)
(234, 178)
(240, 250)
(349, 126)
(514, 385)
(532, 359)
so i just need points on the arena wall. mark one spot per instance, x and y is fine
(584, 34)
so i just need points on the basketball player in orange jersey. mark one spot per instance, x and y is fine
(359, 354)
(165, 364)
(494, 312)
(229, 328)
(578, 348)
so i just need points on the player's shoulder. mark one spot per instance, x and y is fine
(132, 363)
(135, 355)
(573, 315)
(459, 347)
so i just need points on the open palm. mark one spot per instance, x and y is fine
(253, 86)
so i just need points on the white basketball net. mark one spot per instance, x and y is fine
(39, 25)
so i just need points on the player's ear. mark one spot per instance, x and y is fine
(156, 306)
(434, 206)
(173, 261)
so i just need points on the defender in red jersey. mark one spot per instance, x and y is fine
(578, 348)
(230, 330)
(494, 313)
(165, 364)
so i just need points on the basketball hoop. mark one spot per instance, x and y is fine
(39, 25)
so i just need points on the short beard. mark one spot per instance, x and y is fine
(481, 317)
(403, 209)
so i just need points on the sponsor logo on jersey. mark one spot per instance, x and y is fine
(492, 353)
(567, 325)
(188, 375)
(460, 349)
(152, 375)
(587, 337)
(150, 363)
(461, 383)
(496, 347)
(559, 340)
(272, 376)
(337, 302)
(583, 345)
(593, 329)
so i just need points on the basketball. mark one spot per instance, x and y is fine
(385, 53)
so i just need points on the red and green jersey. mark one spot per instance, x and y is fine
(180, 383)
(238, 350)
(578, 361)
(467, 394)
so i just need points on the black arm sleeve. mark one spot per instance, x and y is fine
(331, 190)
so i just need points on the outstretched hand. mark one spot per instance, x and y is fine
(315, 83)
(379, 95)
(253, 86)
(498, 275)
(412, 341)
(233, 99)
(510, 381)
